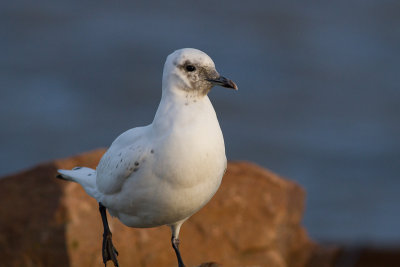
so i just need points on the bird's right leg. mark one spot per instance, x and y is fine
(175, 228)
(108, 250)
(175, 244)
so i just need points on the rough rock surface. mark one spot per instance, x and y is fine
(253, 220)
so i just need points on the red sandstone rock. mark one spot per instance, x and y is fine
(253, 220)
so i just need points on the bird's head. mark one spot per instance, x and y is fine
(192, 71)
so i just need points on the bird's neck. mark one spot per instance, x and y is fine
(182, 107)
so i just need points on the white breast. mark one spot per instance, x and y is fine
(182, 167)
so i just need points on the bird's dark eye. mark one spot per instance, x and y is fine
(190, 68)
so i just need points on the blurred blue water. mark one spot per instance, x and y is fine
(319, 98)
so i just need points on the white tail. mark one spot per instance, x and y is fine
(86, 177)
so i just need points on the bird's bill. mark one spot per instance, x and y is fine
(224, 82)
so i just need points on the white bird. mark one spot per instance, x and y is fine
(163, 173)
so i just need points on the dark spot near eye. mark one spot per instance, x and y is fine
(152, 151)
(89, 174)
(186, 103)
(135, 169)
(136, 163)
(190, 68)
(76, 168)
(120, 160)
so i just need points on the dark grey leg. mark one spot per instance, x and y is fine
(175, 244)
(108, 250)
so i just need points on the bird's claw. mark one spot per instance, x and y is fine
(109, 252)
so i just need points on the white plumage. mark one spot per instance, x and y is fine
(163, 173)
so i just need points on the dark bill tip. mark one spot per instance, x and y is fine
(224, 82)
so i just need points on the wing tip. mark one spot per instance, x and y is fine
(61, 175)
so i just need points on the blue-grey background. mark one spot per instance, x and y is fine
(318, 99)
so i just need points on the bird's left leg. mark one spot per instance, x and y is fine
(175, 241)
(108, 250)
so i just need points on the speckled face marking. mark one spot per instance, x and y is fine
(197, 75)
(190, 70)
(193, 72)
